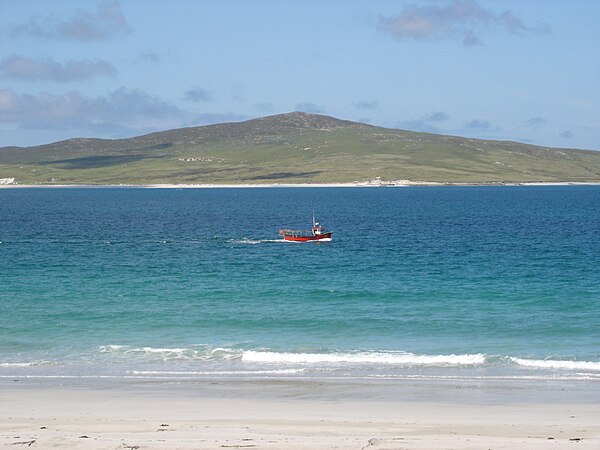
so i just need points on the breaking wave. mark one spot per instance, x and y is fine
(208, 353)
(556, 364)
(28, 364)
(232, 360)
(387, 358)
(217, 372)
(202, 353)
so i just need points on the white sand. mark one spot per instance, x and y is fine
(202, 186)
(396, 183)
(294, 415)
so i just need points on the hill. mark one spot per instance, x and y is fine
(293, 148)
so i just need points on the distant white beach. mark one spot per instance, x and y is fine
(402, 183)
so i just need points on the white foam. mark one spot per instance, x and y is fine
(217, 372)
(206, 353)
(163, 350)
(128, 349)
(557, 364)
(516, 378)
(203, 353)
(111, 348)
(256, 241)
(28, 364)
(225, 353)
(356, 358)
(391, 358)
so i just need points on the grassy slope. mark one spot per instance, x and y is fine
(293, 148)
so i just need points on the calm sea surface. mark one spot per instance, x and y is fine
(456, 282)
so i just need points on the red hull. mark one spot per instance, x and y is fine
(318, 237)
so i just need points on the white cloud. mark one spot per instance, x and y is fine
(366, 104)
(151, 57)
(120, 109)
(428, 122)
(19, 67)
(462, 19)
(197, 95)
(477, 124)
(103, 23)
(535, 121)
(566, 134)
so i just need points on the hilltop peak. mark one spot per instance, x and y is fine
(300, 119)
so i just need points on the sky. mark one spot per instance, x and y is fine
(522, 70)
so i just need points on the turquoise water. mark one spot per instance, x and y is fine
(417, 282)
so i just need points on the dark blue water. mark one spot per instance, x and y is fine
(444, 280)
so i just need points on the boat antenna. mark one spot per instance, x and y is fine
(314, 222)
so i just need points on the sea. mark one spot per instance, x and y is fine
(434, 283)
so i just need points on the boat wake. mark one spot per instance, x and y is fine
(247, 241)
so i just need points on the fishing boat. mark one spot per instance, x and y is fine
(316, 233)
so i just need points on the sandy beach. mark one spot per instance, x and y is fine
(276, 414)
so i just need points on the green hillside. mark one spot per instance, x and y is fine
(293, 148)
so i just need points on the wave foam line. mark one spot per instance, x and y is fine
(557, 364)
(406, 359)
(563, 377)
(28, 364)
(219, 372)
(398, 358)
(200, 354)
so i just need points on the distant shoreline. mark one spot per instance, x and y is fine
(290, 185)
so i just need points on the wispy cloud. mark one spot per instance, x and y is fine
(477, 124)
(238, 92)
(198, 95)
(119, 110)
(122, 112)
(566, 134)
(535, 121)
(265, 107)
(458, 19)
(103, 23)
(19, 67)
(479, 127)
(436, 116)
(428, 122)
(309, 108)
(366, 104)
(151, 57)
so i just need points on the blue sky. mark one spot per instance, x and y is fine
(524, 70)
